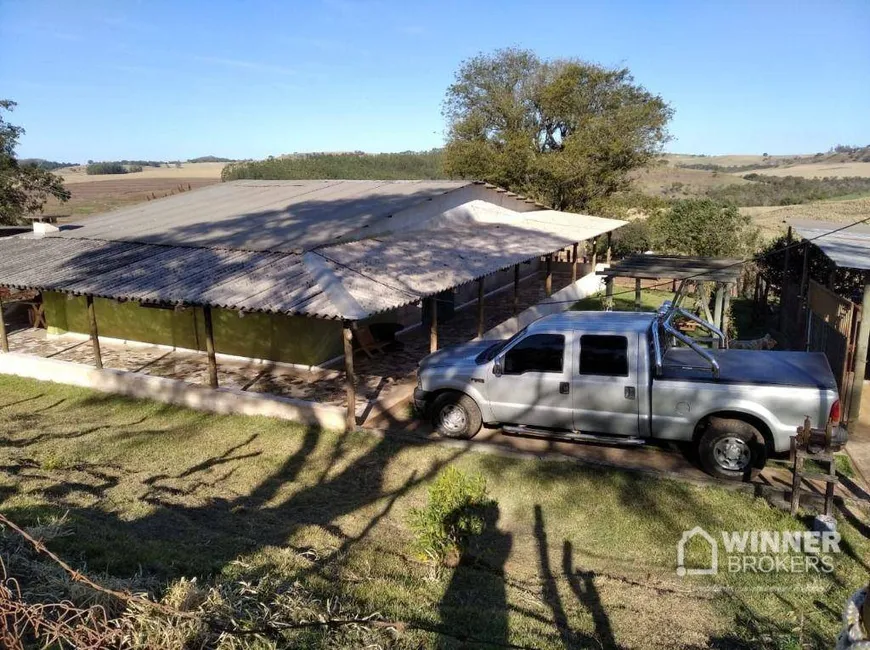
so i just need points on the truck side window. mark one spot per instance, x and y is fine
(604, 355)
(536, 353)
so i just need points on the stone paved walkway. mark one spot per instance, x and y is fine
(380, 379)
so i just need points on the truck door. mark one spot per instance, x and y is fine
(605, 384)
(533, 384)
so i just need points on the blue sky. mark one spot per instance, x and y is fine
(164, 80)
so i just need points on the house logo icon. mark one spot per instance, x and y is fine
(681, 553)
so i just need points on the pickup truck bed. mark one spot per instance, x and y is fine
(795, 369)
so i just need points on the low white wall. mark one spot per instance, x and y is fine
(172, 391)
(560, 301)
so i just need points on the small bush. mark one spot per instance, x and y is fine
(105, 168)
(456, 513)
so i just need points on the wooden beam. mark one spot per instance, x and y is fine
(594, 253)
(785, 265)
(804, 298)
(637, 288)
(480, 321)
(349, 376)
(516, 289)
(4, 339)
(609, 245)
(209, 347)
(433, 324)
(95, 336)
(548, 277)
(861, 346)
(574, 263)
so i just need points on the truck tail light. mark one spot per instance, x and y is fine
(835, 411)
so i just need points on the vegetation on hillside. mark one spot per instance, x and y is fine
(788, 190)
(563, 131)
(24, 189)
(408, 165)
(110, 168)
(42, 163)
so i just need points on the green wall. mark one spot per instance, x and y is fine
(292, 339)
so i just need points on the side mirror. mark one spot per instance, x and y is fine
(497, 368)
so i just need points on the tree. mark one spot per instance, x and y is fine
(702, 227)
(563, 131)
(24, 189)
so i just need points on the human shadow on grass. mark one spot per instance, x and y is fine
(474, 608)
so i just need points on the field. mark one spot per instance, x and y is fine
(676, 182)
(279, 522)
(819, 170)
(115, 191)
(772, 219)
(186, 172)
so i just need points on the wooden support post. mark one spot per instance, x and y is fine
(594, 253)
(4, 339)
(480, 321)
(860, 357)
(574, 263)
(349, 376)
(726, 308)
(609, 246)
(637, 299)
(717, 310)
(95, 337)
(209, 347)
(516, 289)
(608, 293)
(804, 298)
(433, 324)
(548, 278)
(785, 280)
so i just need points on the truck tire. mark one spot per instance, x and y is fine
(731, 449)
(456, 415)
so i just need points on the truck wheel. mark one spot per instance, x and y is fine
(731, 449)
(455, 415)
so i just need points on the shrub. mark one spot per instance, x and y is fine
(106, 168)
(631, 238)
(702, 227)
(456, 513)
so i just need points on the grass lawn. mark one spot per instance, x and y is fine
(623, 300)
(148, 494)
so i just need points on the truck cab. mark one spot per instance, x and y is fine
(620, 377)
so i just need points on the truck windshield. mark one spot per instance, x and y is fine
(490, 353)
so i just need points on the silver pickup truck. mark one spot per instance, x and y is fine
(620, 377)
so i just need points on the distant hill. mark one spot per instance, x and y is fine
(211, 159)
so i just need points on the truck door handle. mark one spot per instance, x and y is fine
(630, 392)
(564, 387)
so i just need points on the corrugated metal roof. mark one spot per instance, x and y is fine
(286, 216)
(848, 248)
(349, 281)
(679, 267)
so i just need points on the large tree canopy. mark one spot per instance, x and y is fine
(563, 131)
(24, 189)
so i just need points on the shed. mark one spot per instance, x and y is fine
(181, 270)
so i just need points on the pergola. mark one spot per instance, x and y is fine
(723, 272)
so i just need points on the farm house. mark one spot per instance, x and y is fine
(294, 275)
